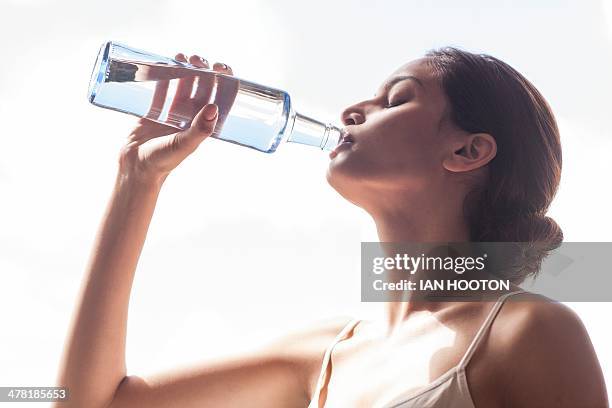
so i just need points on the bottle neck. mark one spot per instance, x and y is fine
(311, 132)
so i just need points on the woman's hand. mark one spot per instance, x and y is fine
(153, 150)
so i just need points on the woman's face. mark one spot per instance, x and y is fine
(399, 140)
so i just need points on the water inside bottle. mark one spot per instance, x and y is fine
(249, 114)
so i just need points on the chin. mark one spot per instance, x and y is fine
(329, 175)
(337, 171)
(347, 167)
(343, 181)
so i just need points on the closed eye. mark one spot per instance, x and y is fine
(391, 105)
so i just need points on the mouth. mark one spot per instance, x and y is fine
(347, 138)
(346, 141)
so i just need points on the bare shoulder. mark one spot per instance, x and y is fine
(528, 313)
(545, 355)
(529, 318)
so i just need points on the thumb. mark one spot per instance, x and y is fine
(206, 118)
(202, 126)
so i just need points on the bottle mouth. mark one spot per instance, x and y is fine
(333, 137)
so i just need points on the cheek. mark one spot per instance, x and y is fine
(403, 146)
(394, 161)
(400, 149)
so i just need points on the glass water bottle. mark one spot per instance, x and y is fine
(172, 92)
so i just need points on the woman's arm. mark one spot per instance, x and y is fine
(283, 375)
(93, 363)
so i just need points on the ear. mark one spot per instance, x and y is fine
(471, 152)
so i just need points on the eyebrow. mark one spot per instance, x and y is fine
(400, 78)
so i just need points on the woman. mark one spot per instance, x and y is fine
(455, 147)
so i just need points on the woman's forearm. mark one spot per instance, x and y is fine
(93, 363)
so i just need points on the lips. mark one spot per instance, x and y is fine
(347, 137)
(346, 141)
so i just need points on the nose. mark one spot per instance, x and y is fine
(352, 116)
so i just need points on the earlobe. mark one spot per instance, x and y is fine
(474, 151)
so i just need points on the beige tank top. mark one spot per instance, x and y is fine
(449, 390)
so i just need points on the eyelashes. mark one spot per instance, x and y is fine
(392, 105)
(399, 100)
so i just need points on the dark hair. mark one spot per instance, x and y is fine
(487, 95)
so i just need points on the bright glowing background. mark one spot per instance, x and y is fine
(243, 245)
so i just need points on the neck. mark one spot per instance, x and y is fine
(434, 223)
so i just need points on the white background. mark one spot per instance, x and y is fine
(245, 246)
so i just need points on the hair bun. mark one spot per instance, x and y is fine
(536, 235)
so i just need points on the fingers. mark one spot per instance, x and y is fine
(184, 107)
(158, 100)
(159, 97)
(227, 89)
(204, 122)
(185, 85)
(220, 67)
(198, 61)
(205, 83)
(180, 107)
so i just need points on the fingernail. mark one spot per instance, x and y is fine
(204, 60)
(210, 111)
(224, 66)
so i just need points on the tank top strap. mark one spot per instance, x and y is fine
(343, 334)
(484, 328)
